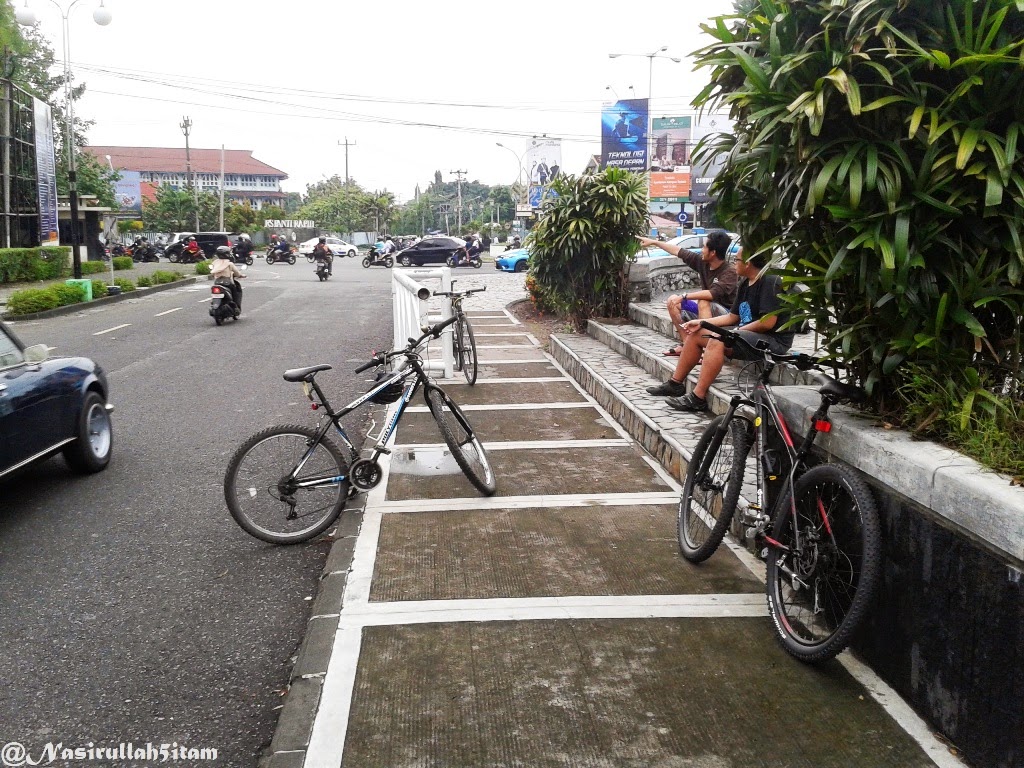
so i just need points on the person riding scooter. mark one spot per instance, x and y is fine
(192, 251)
(223, 269)
(321, 252)
(243, 249)
(515, 243)
(281, 248)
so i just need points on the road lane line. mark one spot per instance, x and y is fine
(115, 328)
(161, 314)
(208, 298)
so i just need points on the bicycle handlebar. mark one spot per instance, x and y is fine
(459, 294)
(382, 357)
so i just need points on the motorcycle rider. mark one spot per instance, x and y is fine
(321, 252)
(516, 243)
(243, 247)
(222, 267)
(193, 250)
(281, 247)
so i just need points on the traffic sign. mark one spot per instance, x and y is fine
(682, 218)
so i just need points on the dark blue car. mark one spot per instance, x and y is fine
(50, 405)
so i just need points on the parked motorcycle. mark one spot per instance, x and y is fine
(222, 304)
(375, 259)
(323, 269)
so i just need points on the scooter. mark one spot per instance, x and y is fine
(376, 259)
(323, 269)
(222, 305)
(241, 258)
(472, 260)
(144, 253)
(275, 254)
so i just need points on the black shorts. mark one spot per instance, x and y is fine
(740, 352)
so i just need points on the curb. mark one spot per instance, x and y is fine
(72, 308)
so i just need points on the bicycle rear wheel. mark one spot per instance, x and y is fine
(711, 488)
(266, 505)
(458, 434)
(467, 349)
(824, 562)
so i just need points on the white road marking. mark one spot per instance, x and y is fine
(161, 314)
(208, 298)
(115, 328)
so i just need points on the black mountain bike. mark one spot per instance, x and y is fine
(288, 484)
(817, 528)
(463, 343)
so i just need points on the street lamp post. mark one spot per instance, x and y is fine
(519, 159)
(102, 16)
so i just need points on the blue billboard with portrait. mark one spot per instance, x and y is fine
(624, 135)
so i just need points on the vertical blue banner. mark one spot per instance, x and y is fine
(624, 135)
(46, 173)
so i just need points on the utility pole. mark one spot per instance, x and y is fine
(458, 177)
(186, 126)
(221, 187)
(346, 144)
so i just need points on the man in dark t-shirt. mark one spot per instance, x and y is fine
(757, 296)
(718, 281)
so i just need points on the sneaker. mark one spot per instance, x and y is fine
(668, 388)
(690, 403)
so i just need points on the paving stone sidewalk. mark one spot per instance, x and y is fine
(554, 623)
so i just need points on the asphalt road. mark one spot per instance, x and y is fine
(133, 608)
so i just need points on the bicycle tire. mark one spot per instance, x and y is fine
(252, 485)
(457, 340)
(467, 350)
(458, 434)
(839, 563)
(706, 511)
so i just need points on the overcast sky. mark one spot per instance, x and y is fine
(290, 80)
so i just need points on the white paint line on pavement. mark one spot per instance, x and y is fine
(505, 346)
(508, 407)
(327, 739)
(541, 608)
(499, 335)
(161, 314)
(481, 361)
(208, 298)
(526, 445)
(546, 501)
(509, 380)
(661, 472)
(115, 328)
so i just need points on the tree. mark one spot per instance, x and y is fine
(172, 210)
(579, 248)
(876, 146)
(379, 207)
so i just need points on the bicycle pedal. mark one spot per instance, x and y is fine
(381, 449)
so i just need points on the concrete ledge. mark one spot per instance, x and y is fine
(83, 305)
(956, 489)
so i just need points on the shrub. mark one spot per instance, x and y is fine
(580, 246)
(68, 294)
(203, 267)
(145, 281)
(123, 262)
(93, 267)
(21, 264)
(99, 289)
(124, 284)
(31, 300)
(162, 276)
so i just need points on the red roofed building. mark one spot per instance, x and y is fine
(246, 179)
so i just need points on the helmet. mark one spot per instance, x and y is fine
(192, 238)
(323, 239)
(273, 237)
(223, 252)
(390, 393)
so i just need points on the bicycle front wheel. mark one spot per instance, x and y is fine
(462, 442)
(467, 349)
(269, 506)
(824, 562)
(711, 488)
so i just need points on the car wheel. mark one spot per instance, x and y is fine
(521, 266)
(90, 452)
(405, 261)
(173, 257)
(352, 254)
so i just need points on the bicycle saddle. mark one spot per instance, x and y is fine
(840, 391)
(305, 374)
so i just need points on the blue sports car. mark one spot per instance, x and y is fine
(513, 261)
(50, 405)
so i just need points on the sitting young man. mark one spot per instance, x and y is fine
(757, 296)
(717, 281)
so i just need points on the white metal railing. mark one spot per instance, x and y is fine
(410, 300)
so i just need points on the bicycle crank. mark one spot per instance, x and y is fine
(365, 474)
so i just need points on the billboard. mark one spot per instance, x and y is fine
(624, 135)
(543, 162)
(128, 193)
(46, 173)
(702, 174)
(670, 164)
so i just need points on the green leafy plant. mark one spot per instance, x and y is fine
(68, 294)
(876, 148)
(162, 276)
(93, 267)
(203, 267)
(124, 284)
(31, 300)
(145, 281)
(123, 262)
(580, 246)
(99, 289)
(22, 264)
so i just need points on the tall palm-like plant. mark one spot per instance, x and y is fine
(876, 146)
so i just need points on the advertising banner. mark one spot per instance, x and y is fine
(624, 135)
(670, 187)
(702, 174)
(128, 193)
(670, 165)
(46, 174)
(543, 162)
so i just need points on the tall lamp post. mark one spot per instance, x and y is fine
(102, 16)
(519, 159)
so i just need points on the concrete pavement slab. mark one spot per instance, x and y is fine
(509, 353)
(627, 550)
(431, 473)
(694, 693)
(514, 392)
(510, 425)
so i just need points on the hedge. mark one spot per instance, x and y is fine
(41, 299)
(21, 264)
